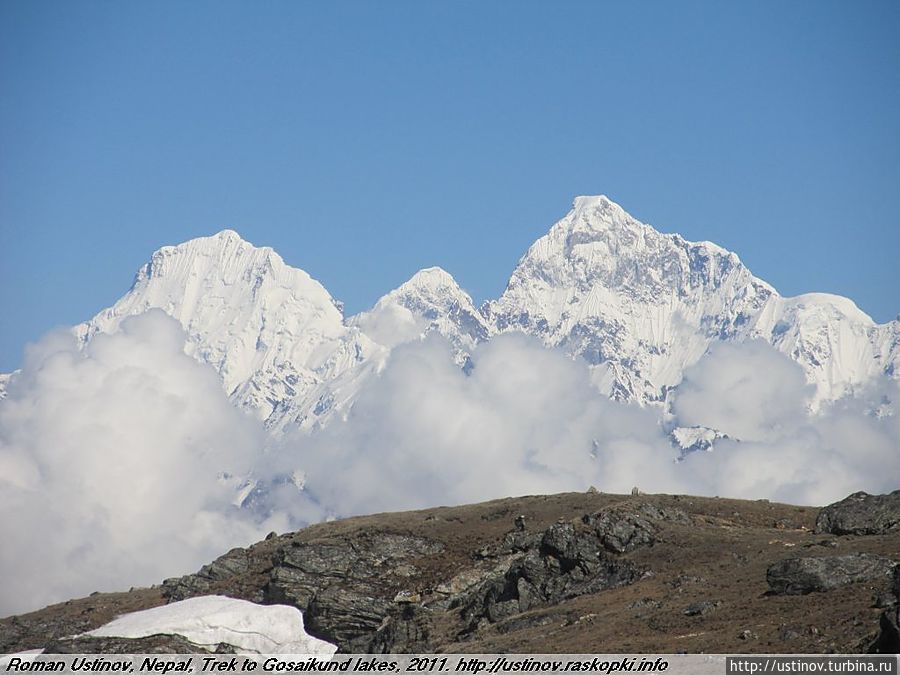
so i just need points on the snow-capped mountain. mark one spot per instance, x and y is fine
(838, 345)
(273, 333)
(638, 305)
(430, 301)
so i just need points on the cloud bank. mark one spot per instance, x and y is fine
(110, 458)
(109, 465)
(527, 420)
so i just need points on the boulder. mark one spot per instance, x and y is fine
(861, 514)
(799, 576)
(626, 527)
(700, 608)
(348, 617)
(888, 639)
(562, 563)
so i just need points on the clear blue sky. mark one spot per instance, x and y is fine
(366, 140)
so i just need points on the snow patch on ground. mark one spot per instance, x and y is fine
(209, 620)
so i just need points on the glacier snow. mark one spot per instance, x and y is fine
(637, 305)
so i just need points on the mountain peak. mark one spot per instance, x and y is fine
(227, 233)
(598, 212)
(431, 285)
(431, 300)
(244, 310)
(224, 254)
(594, 201)
(222, 240)
(638, 305)
(430, 277)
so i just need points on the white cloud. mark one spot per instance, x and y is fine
(527, 420)
(390, 324)
(109, 457)
(748, 391)
(108, 465)
(759, 397)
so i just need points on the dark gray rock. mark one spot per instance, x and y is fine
(645, 604)
(888, 639)
(517, 541)
(788, 633)
(559, 539)
(342, 585)
(629, 526)
(405, 630)
(799, 576)
(232, 564)
(861, 514)
(153, 644)
(563, 564)
(700, 608)
(346, 618)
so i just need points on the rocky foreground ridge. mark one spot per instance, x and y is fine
(560, 573)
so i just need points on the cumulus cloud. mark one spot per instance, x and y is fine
(390, 324)
(109, 465)
(110, 457)
(748, 391)
(527, 420)
(777, 449)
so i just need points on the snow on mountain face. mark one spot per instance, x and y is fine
(640, 306)
(838, 345)
(694, 439)
(271, 331)
(275, 335)
(430, 301)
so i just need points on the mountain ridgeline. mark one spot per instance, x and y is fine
(638, 306)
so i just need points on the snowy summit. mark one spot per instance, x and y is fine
(639, 306)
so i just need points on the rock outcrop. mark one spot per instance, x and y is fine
(861, 514)
(799, 576)
(562, 564)
(632, 525)
(888, 639)
(348, 589)
(578, 573)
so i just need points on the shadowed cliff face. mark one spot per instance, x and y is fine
(560, 573)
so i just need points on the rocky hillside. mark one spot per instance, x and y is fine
(561, 573)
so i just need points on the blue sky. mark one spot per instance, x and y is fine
(366, 140)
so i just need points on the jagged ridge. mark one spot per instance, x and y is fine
(637, 305)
